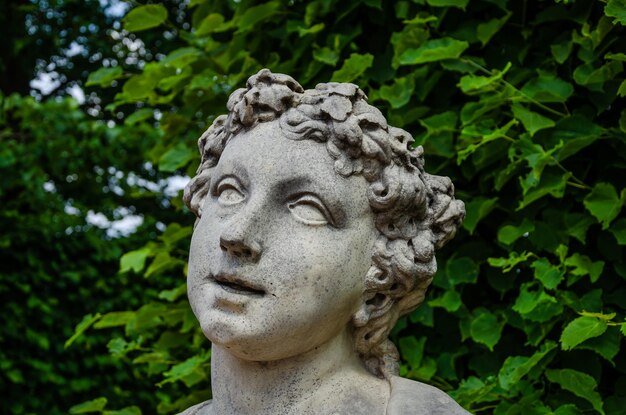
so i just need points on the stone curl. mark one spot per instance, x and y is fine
(415, 212)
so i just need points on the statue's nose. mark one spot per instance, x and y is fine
(238, 247)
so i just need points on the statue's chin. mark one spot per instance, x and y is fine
(246, 345)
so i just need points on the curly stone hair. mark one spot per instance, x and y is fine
(415, 212)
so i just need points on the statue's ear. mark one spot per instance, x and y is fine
(373, 305)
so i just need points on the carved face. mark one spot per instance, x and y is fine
(279, 256)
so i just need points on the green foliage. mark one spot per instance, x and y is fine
(520, 103)
(578, 383)
(145, 17)
(604, 203)
(96, 405)
(520, 106)
(104, 76)
(581, 329)
(58, 165)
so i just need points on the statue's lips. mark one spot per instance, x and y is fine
(236, 285)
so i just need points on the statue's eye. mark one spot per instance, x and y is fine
(309, 210)
(227, 194)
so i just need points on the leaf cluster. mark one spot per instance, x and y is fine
(520, 103)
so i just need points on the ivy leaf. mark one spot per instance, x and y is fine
(561, 51)
(536, 305)
(507, 264)
(450, 301)
(134, 260)
(486, 329)
(582, 265)
(576, 225)
(576, 132)
(580, 384)
(174, 233)
(256, 14)
(119, 347)
(472, 390)
(326, 55)
(139, 87)
(615, 56)
(510, 233)
(607, 345)
(411, 37)
(353, 67)
(601, 316)
(448, 3)
(181, 58)
(472, 111)
(139, 116)
(569, 409)
(485, 31)
(551, 183)
(188, 369)
(81, 327)
(176, 157)
(129, 410)
(549, 275)
(617, 9)
(146, 318)
(420, 20)
(210, 24)
(114, 319)
(95, 405)
(486, 138)
(439, 135)
(474, 84)
(162, 262)
(594, 78)
(399, 93)
(412, 350)
(303, 31)
(547, 87)
(621, 91)
(532, 121)
(434, 50)
(515, 368)
(619, 231)
(476, 210)
(104, 76)
(461, 271)
(145, 17)
(423, 315)
(604, 203)
(174, 293)
(536, 158)
(581, 329)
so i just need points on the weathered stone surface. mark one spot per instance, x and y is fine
(317, 229)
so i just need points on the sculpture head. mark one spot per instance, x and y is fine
(374, 221)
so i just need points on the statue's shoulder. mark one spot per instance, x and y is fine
(409, 397)
(199, 409)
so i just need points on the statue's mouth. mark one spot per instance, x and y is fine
(236, 285)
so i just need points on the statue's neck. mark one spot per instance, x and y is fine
(314, 382)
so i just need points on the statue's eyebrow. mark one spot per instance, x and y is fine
(324, 191)
(232, 169)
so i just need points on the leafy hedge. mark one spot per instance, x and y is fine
(55, 267)
(521, 103)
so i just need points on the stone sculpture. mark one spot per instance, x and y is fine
(316, 229)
